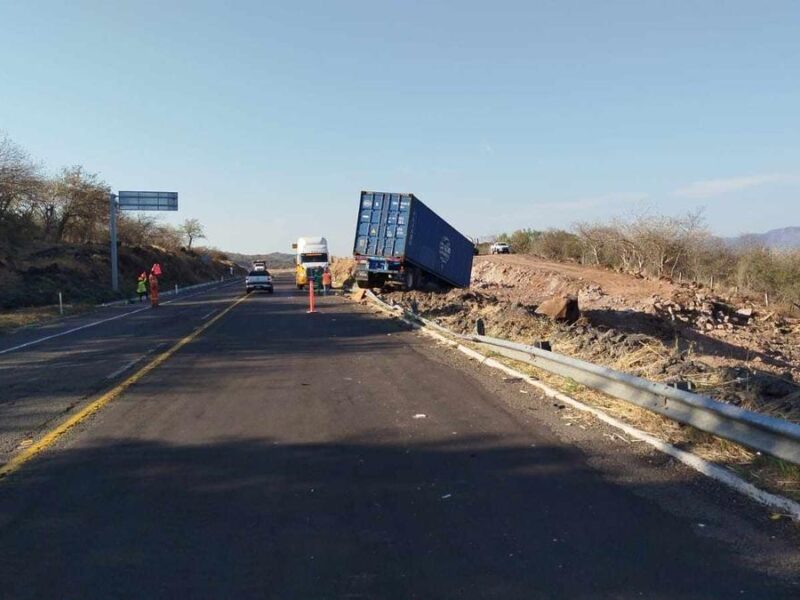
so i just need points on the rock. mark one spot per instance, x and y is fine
(560, 308)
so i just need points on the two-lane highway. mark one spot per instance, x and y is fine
(49, 371)
(338, 455)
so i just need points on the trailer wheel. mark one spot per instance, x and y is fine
(410, 279)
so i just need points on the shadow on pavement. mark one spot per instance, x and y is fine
(351, 519)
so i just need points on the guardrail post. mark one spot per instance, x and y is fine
(480, 327)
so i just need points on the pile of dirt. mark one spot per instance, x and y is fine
(679, 334)
(34, 276)
(342, 272)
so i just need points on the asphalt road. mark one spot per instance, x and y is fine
(47, 371)
(283, 455)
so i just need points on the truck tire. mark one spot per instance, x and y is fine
(410, 279)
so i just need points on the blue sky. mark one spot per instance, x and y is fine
(268, 118)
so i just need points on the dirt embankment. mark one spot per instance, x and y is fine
(722, 345)
(342, 271)
(35, 275)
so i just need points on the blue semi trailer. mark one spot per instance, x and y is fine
(400, 242)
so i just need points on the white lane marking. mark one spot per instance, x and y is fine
(135, 361)
(126, 366)
(208, 314)
(73, 330)
(95, 323)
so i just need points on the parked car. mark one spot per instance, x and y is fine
(500, 248)
(258, 280)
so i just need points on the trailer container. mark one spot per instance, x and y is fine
(401, 242)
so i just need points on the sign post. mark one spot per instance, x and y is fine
(112, 200)
(149, 201)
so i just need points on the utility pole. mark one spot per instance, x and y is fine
(112, 201)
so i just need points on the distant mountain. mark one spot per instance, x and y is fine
(787, 238)
(275, 260)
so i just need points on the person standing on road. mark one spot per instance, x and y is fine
(327, 279)
(141, 287)
(153, 289)
(316, 279)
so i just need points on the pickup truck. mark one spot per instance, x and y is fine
(258, 280)
(500, 248)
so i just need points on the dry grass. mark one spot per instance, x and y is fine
(767, 472)
(25, 317)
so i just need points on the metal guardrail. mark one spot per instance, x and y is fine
(760, 432)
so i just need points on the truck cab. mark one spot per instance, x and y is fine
(312, 254)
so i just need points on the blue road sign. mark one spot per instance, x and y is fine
(147, 200)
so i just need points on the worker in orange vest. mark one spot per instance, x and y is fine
(153, 289)
(327, 280)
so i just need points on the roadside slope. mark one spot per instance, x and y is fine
(35, 274)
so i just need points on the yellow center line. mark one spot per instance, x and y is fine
(95, 405)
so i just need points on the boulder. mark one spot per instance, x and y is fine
(560, 308)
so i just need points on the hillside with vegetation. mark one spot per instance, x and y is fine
(678, 248)
(274, 260)
(785, 238)
(54, 237)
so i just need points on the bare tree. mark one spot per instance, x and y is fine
(73, 206)
(192, 230)
(138, 231)
(167, 237)
(599, 241)
(20, 178)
